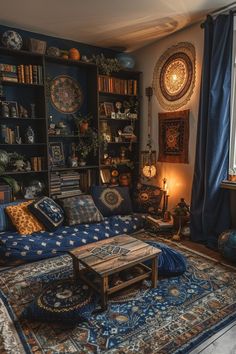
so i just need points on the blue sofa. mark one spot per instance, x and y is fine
(18, 249)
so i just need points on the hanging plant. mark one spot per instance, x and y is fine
(106, 65)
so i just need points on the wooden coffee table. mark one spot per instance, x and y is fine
(102, 269)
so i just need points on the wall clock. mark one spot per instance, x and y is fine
(66, 94)
(174, 76)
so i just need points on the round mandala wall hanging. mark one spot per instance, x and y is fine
(66, 94)
(174, 76)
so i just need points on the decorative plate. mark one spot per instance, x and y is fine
(174, 76)
(66, 94)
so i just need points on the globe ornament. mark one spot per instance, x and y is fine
(174, 76)
(126, 60)
(12, 40)
(227, 245)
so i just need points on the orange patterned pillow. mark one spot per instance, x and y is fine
(22, 219)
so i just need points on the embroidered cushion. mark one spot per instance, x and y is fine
(147, 198)
(65, 301)
(22, 219)
(48, 212)
(5, 221)
(81, 209)
(112, 200)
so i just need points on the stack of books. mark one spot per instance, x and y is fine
(160, 225)
(8, 73)
(65, 184)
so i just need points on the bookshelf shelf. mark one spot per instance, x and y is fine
(21, 119)
(58, 169)
(19, 145)
(21, 84)
(22, 172)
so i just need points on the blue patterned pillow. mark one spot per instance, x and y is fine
(80, 210)
(65, 301)
(112, 200)
(5, 221)
(48, 212)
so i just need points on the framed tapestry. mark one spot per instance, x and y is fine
(173, 136)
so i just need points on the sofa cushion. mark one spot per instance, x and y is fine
(22, 219)
(44, 244)
(65, 301)
(112, 200)
(81, 209)
(147, 198)
(48, 212)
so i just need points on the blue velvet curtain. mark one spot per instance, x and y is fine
(210, 205)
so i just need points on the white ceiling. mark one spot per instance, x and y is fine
(108, 23)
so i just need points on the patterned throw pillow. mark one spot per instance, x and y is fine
(5, 221)
(147, 199)
(22, 219)
(81, 209)
(48, 212)
(112, 200)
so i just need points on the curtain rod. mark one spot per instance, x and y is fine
(221, 10)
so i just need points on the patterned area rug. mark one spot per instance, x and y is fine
(173, 318)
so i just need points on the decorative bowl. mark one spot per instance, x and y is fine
(12, 40)
(126, 60)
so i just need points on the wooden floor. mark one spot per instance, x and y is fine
(224, 341)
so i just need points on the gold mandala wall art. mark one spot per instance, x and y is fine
(174, 76)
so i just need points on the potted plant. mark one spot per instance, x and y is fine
(106, 65)
(82, 122)
(87, 145)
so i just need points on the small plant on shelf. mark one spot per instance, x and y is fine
(106, 65)
(82, 122)
(88, 145)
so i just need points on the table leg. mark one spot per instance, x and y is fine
(154, 272)
(104, 285)
(76, 269)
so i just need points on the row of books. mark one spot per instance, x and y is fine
(28, 74)
(65, 184)
(37, 163)
(8, 135)
(117, 86)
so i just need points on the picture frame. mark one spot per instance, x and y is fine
(56, 154)
(108, 108)
(13, 110)
(174, 136)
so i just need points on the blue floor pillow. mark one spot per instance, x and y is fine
(170, 261)
(62, 301)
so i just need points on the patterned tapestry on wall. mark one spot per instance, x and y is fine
(174, 76)
(173, 136)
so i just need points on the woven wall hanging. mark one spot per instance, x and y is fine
(174, 76)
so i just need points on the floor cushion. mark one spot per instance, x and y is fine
(170, 261)
(65, 301)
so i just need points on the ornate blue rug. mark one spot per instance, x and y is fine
(173, 318)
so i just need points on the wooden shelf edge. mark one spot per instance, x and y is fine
(228, 185)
